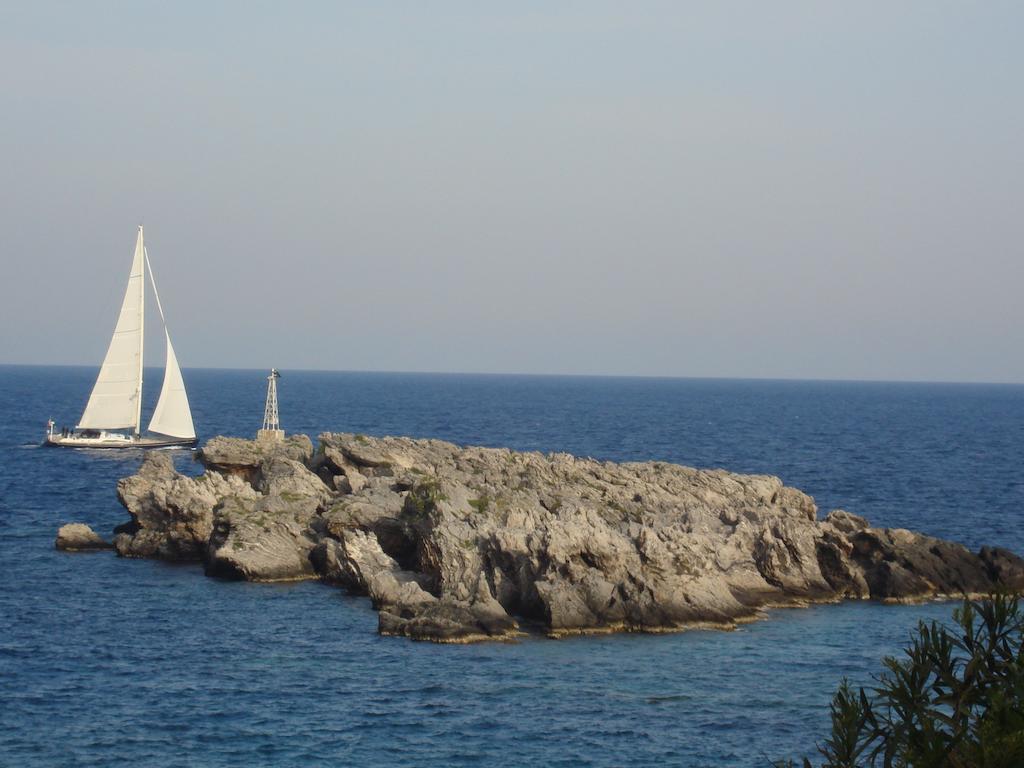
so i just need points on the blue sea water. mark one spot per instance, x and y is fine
(106, 661)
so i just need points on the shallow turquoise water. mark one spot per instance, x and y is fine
(106, 661)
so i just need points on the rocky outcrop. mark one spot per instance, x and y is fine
(269, 537)
(243, 458)
(248, 516)
(172, 514)
(79, 537)
(457, 544)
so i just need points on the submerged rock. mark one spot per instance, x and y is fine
(79, 537)
(458, 544)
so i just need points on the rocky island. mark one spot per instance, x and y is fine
(457, 544)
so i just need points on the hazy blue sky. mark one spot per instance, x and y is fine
(765, 189)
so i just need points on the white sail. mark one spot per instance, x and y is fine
(116, 399)
(172, 416)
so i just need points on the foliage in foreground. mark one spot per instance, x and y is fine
(954, 700)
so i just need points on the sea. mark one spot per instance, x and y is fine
(107, 661)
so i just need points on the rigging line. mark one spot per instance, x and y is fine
(156, 293)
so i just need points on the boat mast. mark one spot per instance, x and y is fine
(142, 337)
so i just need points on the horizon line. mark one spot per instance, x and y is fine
(668, 377)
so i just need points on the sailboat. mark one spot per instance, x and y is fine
(115, 405)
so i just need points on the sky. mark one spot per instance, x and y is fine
(738, 189)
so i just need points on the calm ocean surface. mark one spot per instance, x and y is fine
(108, 662)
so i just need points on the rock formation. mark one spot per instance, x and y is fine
(458, 544)
(79, 537)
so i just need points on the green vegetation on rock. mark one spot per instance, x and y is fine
(424, 497)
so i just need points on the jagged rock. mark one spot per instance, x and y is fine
(236, 456)
(359, 451)
(246, 517)
(421, 616)
(448, 621)
(263, 539)
(172, 515)
(290, 479)
(1002, 565)
(269, 537)
(451, 543)
(79, 537)
(357, 562)
(844, 577)
(901, 565)
(847, 522)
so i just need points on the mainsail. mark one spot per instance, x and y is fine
(116, 399)
(172, 416)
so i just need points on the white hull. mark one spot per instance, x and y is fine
(116, 440)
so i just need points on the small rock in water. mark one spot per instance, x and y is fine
(79, 537)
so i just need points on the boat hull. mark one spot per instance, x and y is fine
(114, 443)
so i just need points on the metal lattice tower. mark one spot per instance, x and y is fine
(271, 418)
